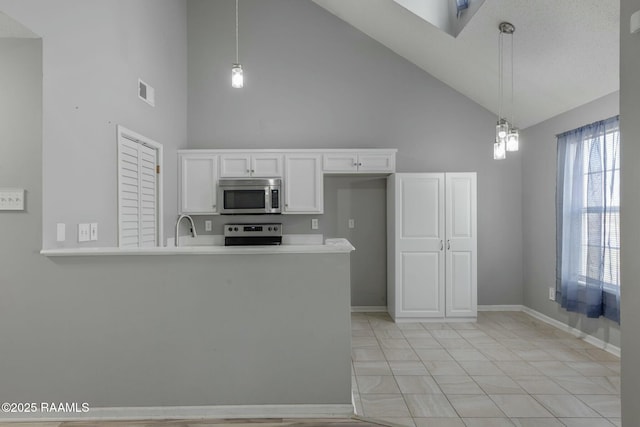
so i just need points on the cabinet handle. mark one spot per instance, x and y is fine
(441, 245)
(359, 164)
(248, 170)
(355, 164)
(448, 244)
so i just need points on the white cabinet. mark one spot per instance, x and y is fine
(239, 165)
(303, 183)
(432, 238)
(198, 177)
(359, 162)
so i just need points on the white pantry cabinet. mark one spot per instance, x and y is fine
(198, 176)
(432, 239)
(240, 165)
(347, 161)
(303, 183)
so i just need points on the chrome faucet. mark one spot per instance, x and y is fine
(193, 228)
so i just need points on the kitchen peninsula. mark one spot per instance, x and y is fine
(264, 328)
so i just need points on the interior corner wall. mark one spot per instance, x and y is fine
(630, 212)
(314, 81)
(539, 156)
(93, 54)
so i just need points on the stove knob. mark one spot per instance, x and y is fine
(235, 228)
(275, 228)
(230, 228)
(269, 228)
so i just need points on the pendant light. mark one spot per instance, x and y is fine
(507, 136)
(237, 75)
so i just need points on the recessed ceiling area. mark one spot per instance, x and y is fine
(442, 14)
(566, 52)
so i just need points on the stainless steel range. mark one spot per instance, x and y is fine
(252, 234)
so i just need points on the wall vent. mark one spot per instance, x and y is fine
(146, 93)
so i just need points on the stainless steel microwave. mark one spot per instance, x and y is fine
(238, 196)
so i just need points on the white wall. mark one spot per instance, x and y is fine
(93, 54)
(630, 213)
(539, 156)
(313, 81)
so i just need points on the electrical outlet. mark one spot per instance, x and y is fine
(314, 224)
(83, 233)
(552, 294)
(93, 231)
(207, 225)
(61, 231)
(352, 223)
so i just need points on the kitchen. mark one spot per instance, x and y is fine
(183, 52)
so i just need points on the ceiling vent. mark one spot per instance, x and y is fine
(146, 93)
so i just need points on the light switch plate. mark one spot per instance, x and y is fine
(83, 233)
(207, 225)
(61, 231)
(552, 294)
(352, 223)
(314, 224)
(93, 231)
(11, 199)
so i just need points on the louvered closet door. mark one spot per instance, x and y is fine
(138, 195)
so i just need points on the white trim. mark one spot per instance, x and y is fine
(191, 412)
(603, 345)
(123, 132)
(369, 309)
(434, 319)
(505, 307)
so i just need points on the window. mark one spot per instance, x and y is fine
(139, 190)
(588, 218)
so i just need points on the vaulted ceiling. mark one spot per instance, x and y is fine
(566, 51)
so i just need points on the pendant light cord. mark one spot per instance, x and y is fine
(500, 74)
(513, 112)
(237, 62)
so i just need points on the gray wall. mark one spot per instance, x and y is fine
(630, 213)
(313, 81)
(94, 53)
(539, 214)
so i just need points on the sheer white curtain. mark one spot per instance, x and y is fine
(588, 218)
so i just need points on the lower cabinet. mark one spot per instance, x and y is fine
(303, 184)
(432, 246)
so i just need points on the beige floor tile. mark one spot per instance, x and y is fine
(554, 368)
(378, 384)
(610, 384)
(410, 326)
(402, 354)
(487, 422)
(498, 384)
(455, 344)
(590, 369)
(613, 366)
(599, 355)
(364, 342)
(394, 343)
(388, 333)
(581, 385)
(470, 406)
(384, 405)
(498, 354)
(518, 368)
(520, 406)
(397, 421)
(416, 333)
(533, 355)
(444, 367)
(478, 367)
(380, 367)
(444, 333)
(458, 384)
(568, 355)
(367, 354)
(403, 367)
(417, 384)
(438, 422)
(467, 355)
(432, 355)
(616, 421)
(539, 385)
(606, 406)
(586, 422)
(362, 333)
(566, 405)
(537, 422)
(424, 342)
(429, 405)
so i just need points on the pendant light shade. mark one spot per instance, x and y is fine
(237, 75)
(513, 139)
(507, 136)
(499, 150)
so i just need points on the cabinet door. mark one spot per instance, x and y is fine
(340, 163)
(419, 262)
(303, 184)
(235, 165)
(198, 177)
(461, 253)
(376, 163)
(266, 165)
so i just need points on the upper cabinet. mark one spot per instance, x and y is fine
(240, 165)
(303, 184)
(198, 177)
(347, 161)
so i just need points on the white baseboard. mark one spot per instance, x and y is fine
(189, 412)
(369, 309)
(556, 323)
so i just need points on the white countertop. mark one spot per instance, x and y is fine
(330, 246)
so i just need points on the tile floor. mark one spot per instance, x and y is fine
(508, 369)
(271, 422)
